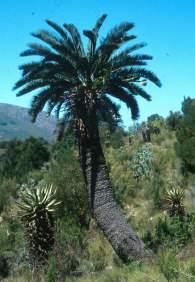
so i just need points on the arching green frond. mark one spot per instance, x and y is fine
(32, 52)
(133, 88)
(107, 50)
(38, 83)
(47, 37)
(40, 50)
(118, 33)
(142, 57)
(99, 23)
(64, 123)
(134, 47)
(134, 74)
(36, 67)
(76, 38)
(146, 74)
(137, 90)
(28, 67)
(38, 102)
(108, 111)
(51, 104)
(32, 86)
(93, 35)
(62, 32)
(54, 42)
(51, 96)
(123, 56)
(40, 71)
(127, 61)
(59, 97)
(125, 97)
(115, 39)
(60, 72)
(58, 108)
(92, 41)
(130, 49)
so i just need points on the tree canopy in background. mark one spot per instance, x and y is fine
(185, 146)
(20, 157)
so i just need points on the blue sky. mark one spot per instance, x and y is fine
(168, 26)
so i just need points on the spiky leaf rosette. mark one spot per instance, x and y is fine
(36, 209)
(174, 201)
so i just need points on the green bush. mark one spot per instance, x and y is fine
(70, 244)
(141, 163)
(171, 233)
(117, 138)
(51, 270)
(169, 265)
(97, 255)
(121, 177)
(191, 268)
(166, 172)
(11, 238)
(185, 145)
(158, 187)
(65, 174)
(173, 120)
(20, 157)
(8, 188)
(115, 276)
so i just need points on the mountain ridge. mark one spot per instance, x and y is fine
(15, 123)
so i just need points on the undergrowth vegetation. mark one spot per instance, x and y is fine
(142, 174)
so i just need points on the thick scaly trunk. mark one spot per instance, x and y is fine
(122, 237)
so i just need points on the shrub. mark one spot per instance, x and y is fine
(158, 188)
(191, 267)
(121, 176)
(165, 175)
(51, 270)
(115, 275)
(69, 246)
(97, 255)
(185, 146)
(156, 120)
(171, 232)
(66, 176)
(141, 163)
(8, 188)
(117, 138)
(169, 265)
(20, 157)
(4, 268)
(173, 120)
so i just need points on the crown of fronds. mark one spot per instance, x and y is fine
(37, 200)
(68, 71)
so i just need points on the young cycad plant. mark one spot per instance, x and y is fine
(36, 209)
(174, 201)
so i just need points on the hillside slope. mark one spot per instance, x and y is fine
(15, 122)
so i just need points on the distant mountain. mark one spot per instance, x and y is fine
(15, 122)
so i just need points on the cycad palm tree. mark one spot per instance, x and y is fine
(78, 85)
